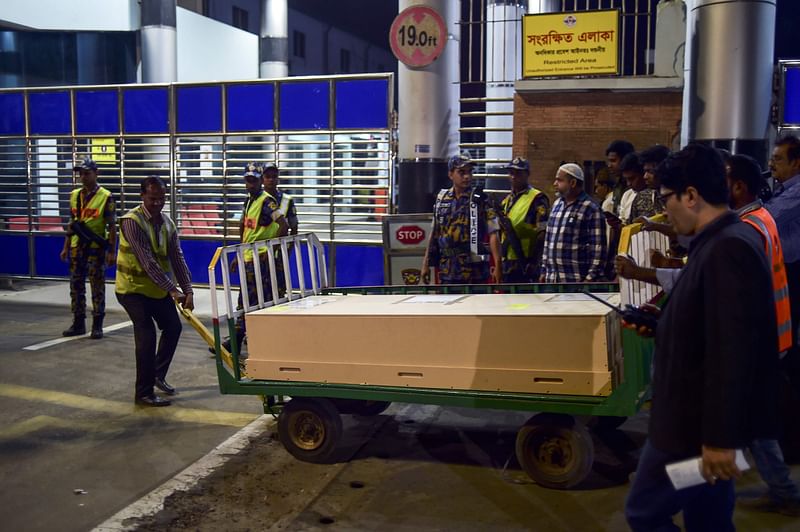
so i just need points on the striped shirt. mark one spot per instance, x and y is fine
(575, 242)
(139, 241)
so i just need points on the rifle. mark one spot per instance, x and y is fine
(633, 315)
(511, 236)
(87, 236)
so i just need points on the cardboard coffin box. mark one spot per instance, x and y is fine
(535, 343)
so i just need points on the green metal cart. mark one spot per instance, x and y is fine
(553, 446)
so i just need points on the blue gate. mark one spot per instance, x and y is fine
(331, 138)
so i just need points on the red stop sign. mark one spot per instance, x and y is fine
(410, 235)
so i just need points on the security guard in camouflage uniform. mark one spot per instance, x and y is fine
(524, 220)
(90, 246)
(261, 220)
(462, 212)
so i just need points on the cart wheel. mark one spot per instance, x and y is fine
(361, 407)
(555, 450)
(310, 429)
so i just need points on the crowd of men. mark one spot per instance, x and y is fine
(727, 338)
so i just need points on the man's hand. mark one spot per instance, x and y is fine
(719, 464)
(234, 265)
(496, 272)
(425, 273)
(659, 260)
(178, 296)
(111, 258)
(64, 255)
(664, 229)
(643, 330)
(613, 221)
(625, 267)
(188, 303)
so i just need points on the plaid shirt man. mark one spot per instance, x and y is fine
(575, 242)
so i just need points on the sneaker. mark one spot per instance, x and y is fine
(770, 504)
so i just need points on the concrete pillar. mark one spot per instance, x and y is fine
(428, 107)
(274, 43)
(728, 82)
(159, 41)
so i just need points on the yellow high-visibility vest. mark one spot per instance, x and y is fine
(253, 230)
(131, 277)
(526, 233)
(91, 214)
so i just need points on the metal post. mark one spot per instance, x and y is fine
(428, 106)
(159, 41)
(274, 42)
(728, 91)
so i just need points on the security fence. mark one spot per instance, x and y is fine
(330, 137)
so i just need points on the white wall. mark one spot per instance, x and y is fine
(314, 30)
(317, 33)
(209, 50)
(82, 15)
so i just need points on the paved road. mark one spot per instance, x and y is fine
(419, 467)
(68, 422)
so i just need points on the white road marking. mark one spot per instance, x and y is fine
(153, 502)
(50, 343)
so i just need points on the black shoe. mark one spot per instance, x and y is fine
(152, 400)
(77, 328)
(164, 386)
(97, 328)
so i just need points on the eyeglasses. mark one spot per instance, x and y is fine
(664, 197)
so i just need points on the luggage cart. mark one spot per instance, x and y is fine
(554, 447)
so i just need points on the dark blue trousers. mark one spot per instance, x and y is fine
(652, 501)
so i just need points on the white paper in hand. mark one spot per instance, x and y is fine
(687, 473)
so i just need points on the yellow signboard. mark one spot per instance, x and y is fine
(104, 151)
(570, 44)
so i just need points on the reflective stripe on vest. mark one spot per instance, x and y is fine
(253, 230)
(131, 277)
(526, 233)
(765, 224)
(91, 213)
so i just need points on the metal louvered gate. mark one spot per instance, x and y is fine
(330, 136)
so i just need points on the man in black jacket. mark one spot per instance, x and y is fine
(716, 353)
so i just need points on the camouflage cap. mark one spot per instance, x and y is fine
(252, 169)
(519, 163)
(459, 161)
(87, 163)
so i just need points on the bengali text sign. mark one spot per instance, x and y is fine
(570, 44)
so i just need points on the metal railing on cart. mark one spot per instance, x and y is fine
(304, 250)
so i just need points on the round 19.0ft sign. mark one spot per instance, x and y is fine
(418, 36)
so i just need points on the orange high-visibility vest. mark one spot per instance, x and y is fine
(762, 220)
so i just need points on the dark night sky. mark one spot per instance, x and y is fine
(371, 20)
